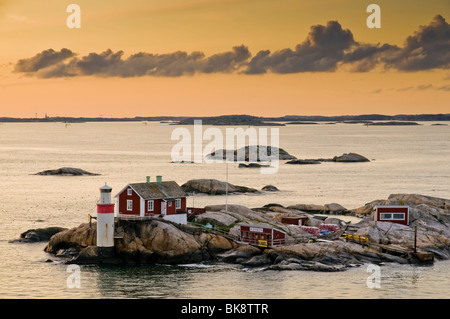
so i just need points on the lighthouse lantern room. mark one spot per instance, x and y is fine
(105, 222)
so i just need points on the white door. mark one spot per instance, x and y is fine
(163, 208)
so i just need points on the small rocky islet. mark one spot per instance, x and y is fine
(66, 171)
(157, 241)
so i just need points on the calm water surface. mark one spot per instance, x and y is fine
(409, 159)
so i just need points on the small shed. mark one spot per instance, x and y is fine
(393, 214)
(262, 236)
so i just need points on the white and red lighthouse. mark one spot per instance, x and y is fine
(105, 222)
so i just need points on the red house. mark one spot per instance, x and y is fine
(393, 214)
(153, 199)
(262, 236)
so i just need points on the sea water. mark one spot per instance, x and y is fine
(404, 159)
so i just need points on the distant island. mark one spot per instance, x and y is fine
(249, 120)
(393, 123)
(229, 120)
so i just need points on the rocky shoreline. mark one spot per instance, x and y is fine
(157, 241)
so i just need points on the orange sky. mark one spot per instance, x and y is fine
(212, 26)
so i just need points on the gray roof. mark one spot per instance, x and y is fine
(106, 187)
(168, 189)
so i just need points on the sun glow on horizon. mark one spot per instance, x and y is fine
(209, 58)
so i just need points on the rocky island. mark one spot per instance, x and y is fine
(229, 120)
(66, 171)
(38, 235)
(214, 187)
(344, 158)
(391, 123)
(159, 241)
(244, 154)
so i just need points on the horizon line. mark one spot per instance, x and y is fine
(272, 118)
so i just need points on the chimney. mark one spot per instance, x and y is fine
(148, 179)
(159, 179)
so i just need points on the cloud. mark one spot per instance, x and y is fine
(377, 91)
(423, 87)
(444, 88)
(42, 60)
(428, 48)
(366, 57)
(327, 48)
(322, 50)
(108, 63)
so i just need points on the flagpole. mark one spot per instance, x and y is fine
(226, 188)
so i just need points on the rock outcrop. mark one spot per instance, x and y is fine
(38, 234)
(218, 219)
(350, 158)
(251, 153)
(344, 158)
(78, 237)
(67, 171)
(331, 209)
(252, 165)
(270, 188)
(214, 187)
(304, 161)
(143, 242)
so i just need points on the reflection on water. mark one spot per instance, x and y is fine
(228, 281)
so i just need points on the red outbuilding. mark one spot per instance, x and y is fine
(151, 199)
(393, 214)
(297, 220)
(262, 236)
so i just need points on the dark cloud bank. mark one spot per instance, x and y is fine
(325, 49)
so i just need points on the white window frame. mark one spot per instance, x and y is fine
(129, 205)
(152, 204)
(178, 203)
(129, 192)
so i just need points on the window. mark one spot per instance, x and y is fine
(178, 203)
(129, 204)
(150, 205)
(170, 204)
(392, 216)
(129, 192)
